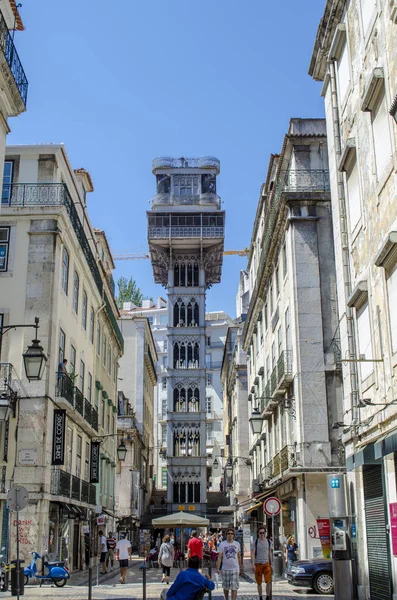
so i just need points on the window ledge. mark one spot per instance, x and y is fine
(368, 382)
(387, 171)
(376, 80)
(359, 293)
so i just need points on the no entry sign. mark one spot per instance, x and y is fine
(272, 506)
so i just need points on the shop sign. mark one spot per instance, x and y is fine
(101, 520)
(324, 533)
(181, 507)
(191, 508)
(6, 434)
(58, 438)
(94, 472)
(393, 526)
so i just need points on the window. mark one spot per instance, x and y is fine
(208, 433)
(98, 338)
(367, 11)
(164, 408)
(164, 362)
(78, 455)
(208, 405)
(208, 382)
(87, 462)
(82, 375)
(273, 355)
(285, 260)
(165, 345)
(97, 398)
(103, 412)
(92, 324)
(65, 270)
(185, 185)
(364, 339)
(69, 450)
(61, 350)
(150, 319)
(266, 311)
(164, 435)
(8, 173)
(287, 330)
(353, 192)
(108, 421)
(208, 361)
(76, 286)
(110, 360)
(279, 341)
(4, 247)
(271, 299)
(381, 134)
(343, 69)
(164, 477)
(104, 349)
(208, 340)
(163, 383)
(84, 311)
(391, 283)
(277, 278)
(89, 388)
(72, 360)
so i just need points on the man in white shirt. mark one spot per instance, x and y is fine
(103, 549)
(229, 554)
(123, 554)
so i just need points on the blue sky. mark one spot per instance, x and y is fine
(147, 78)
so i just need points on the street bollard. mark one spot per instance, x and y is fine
(143, 568)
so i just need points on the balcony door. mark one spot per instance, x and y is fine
(8, 174)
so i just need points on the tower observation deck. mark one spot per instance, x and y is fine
(186, 235)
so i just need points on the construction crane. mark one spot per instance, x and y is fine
(144, 255)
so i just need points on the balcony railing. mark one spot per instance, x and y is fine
(69, 486)
(312, 180)
(5, 377)
(168, 162)
(66, 389)
(273, 381)
(56, 194)
(185, 232)
(13, 60)
(283, 461)
(284, 368)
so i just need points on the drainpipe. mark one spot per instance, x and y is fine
(345, 251)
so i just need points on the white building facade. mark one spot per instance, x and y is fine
(289, 336)
(57, 268)
(186, 232)
(354, 55)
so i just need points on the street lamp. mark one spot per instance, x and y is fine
(229, 468)
(256, 421)
(34, 358)
(122, 450)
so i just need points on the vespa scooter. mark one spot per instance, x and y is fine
(57, 572)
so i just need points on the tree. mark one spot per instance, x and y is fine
(129, 292)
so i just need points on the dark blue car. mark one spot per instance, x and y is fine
(315, 573)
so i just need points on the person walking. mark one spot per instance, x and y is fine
(229, 556)
(195, 547)
(103, 549)
(166, 558)
(291, 549)
(262, 561)
(188, 583)
(151, 506)
(111, 545)
(163, 504)
(123, 555)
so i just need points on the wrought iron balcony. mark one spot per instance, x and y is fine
(284, 369)
(283, 461)
(312, 180)
(5, 377)
(67, 485)
(25, 195)
(79, 401)
(76, 484)
(12, 59)
(66, 389)
(60, 483)
(92, 499)
(85, 491)
(273, 381)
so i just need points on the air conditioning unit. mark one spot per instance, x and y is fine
(255, 485)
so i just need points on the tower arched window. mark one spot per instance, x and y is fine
(186, 274)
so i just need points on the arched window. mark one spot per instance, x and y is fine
(186, 355)
(179, 313)
(65, 271)
(186, 274)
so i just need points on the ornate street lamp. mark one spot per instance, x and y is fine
(122, 451)
(256, 421)
(35, 361)
(229, 468)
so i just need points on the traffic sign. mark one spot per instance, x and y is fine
(17, 498)
(272, 506)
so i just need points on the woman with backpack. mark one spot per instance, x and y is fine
(166, 558)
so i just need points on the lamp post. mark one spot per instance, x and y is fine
(34, 358)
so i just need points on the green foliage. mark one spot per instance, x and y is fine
(129, 292)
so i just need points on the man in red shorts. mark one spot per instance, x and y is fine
(262, 561)
(195, 547)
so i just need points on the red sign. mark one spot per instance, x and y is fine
(272, 506)
(393, 526)
(324, 532)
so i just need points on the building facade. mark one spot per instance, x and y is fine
(185, 233)
(13, 84)
(289, 335)
(138, 382)
(354, 55)
(57, 268)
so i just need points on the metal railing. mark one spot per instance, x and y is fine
(66, 389)
(92, 497)
(284, 366)
(69, 486)
(5, 376)
(283, 461)
(302, 180)
(76, 483)
(185, 232)
(85, 491)
(57, 194)
(273, 381)
(13, 60)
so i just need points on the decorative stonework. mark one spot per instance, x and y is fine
(161, 264)
(213, 265)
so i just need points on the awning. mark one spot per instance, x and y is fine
(260, 496)
(251, 508)
(227, 509)
(386, 445)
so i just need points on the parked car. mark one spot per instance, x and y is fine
(316, 573)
